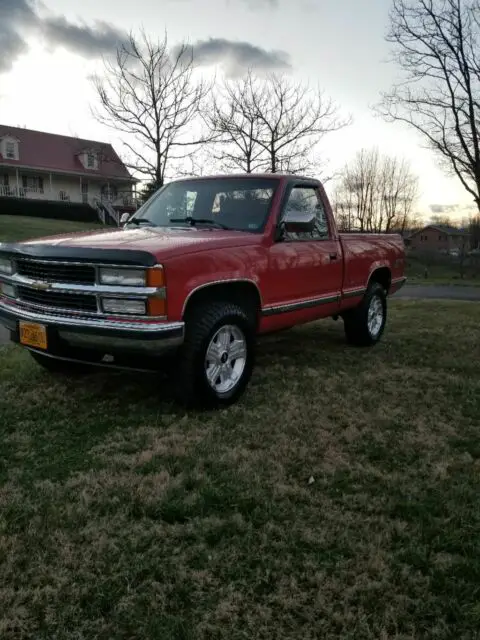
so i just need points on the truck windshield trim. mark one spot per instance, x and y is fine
(233, 204)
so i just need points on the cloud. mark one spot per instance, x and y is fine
(20, 18)
(237, 56)
(443, 208)
(90, 42)
(13, 13)
(453, 211)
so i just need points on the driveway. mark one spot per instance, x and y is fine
(420, 292)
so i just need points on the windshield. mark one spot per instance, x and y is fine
(240, 204)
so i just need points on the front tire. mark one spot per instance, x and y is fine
(365, 324)
(216, 361)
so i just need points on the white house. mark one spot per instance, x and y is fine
(45, 166)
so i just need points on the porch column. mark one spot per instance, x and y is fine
(81, 192)
(51, 186)
(18, 186)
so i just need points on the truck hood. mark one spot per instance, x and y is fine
(162, 243)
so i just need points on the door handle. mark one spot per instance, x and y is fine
(333, 256)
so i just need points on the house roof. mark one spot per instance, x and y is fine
(52, 152)
(442, 228)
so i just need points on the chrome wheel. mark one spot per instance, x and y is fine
(226, 358)
(375, 316)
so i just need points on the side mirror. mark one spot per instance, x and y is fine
(124, 218)
(299, 222)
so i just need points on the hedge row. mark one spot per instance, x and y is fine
(75, 211)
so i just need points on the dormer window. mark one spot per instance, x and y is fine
(89, 160)
(9, 148)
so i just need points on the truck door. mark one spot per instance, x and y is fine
(306, 269)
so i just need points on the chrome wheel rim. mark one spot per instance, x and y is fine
(226, 358)
(375, 316)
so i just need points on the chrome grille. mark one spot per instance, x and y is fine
(55, 272)
(71, 301)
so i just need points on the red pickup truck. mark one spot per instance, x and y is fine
(193, 277)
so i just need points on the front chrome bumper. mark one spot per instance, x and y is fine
(97, 334)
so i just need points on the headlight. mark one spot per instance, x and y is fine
(6, 266)
(121, 306)
(7, 290)
(122, 277)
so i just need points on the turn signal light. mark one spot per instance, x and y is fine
(157, 307)
(155, 277)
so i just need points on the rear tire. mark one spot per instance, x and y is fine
(60, 367)
(365, 324)
(216, 361)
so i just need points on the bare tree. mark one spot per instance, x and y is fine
(271, 123)
(150, 94)
(442, 220)
(376, 194)
(234, 118)
(436, 44)
(474, 230)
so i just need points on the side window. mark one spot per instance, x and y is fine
(305, 200)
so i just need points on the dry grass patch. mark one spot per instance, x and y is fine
(123, 517)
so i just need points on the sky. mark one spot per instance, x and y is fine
(51, 48)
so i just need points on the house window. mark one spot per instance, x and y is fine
(32, 183)
(10, 150)
(90, 160)
(109, 192)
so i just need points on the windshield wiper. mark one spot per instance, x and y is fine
(193, 221)
(144, 221)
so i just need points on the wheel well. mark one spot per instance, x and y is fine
(383, 276)
(244, 294)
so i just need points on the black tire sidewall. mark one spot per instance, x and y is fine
(202, 394)
(375, 291)
(356, 320)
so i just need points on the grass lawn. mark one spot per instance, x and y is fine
(18, 228)
(123, 517)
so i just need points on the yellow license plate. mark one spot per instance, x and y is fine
(33, 335)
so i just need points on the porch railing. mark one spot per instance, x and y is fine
(36, 193)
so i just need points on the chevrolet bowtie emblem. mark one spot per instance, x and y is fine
(41, 286)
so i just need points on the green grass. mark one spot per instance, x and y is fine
(122, 516)
(19, 228)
